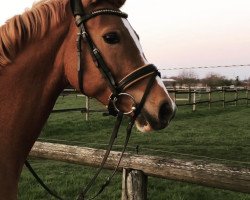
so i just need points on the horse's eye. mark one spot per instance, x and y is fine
(111, 38)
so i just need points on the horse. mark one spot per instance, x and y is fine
(38, 59)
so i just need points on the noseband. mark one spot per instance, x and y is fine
(117, 88)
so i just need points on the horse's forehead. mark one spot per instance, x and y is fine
(131, 32)
(134, 36)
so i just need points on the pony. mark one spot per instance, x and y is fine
(38, 59)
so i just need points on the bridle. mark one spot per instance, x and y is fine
(83, 36)
(117, 89)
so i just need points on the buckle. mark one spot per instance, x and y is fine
(116, 104)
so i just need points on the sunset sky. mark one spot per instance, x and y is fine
(181, 33)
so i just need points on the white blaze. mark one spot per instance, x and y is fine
(135, 38)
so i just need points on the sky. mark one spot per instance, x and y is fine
(181, 33)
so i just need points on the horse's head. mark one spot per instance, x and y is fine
(123, 60)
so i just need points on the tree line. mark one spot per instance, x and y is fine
(212, 80)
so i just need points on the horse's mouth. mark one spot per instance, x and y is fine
(146, 123)
(142, 124)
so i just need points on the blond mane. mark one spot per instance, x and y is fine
(32, 24)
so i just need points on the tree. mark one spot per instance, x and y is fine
(214, 80)
(189, 78)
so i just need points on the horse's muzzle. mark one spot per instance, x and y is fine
(165, 115)
(147, 122)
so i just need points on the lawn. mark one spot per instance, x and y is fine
(220, 135)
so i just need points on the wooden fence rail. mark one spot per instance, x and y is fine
(193, 100)
(200, 172)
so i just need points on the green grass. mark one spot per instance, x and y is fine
(223, 135)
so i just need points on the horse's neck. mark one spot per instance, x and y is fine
(29, 88)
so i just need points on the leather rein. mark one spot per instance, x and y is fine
(117, 90)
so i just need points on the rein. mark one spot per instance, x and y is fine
(117, 90)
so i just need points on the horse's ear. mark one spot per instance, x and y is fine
(116, 3)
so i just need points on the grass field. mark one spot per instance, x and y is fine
(221, 135)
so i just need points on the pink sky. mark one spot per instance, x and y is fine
(194, 33)
(181, 33)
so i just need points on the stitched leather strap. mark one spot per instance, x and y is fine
(39, 180)
(82, 194)
(76, 7)
(136, 75)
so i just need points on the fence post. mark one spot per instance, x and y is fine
(189, 95)
(175, 96)
(247, 97)
(209, 99)
(236, 97)
(87, 109)
(194, 100)
(134, 185)
(224, 97)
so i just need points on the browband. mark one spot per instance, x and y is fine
(104, 12)
(85, 17)
(77, 10)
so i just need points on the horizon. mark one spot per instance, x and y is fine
(203, 71)
(184, 34)
(197, 77)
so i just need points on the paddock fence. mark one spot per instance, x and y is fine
(193, 97)
(137, 168)
(84, 110)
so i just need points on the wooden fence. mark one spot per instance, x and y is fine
(194, 97)
(87, 109)
(136, 168)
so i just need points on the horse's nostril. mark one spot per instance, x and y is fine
(166, 113)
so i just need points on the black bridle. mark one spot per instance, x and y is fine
(83, 36)
(117, 89)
